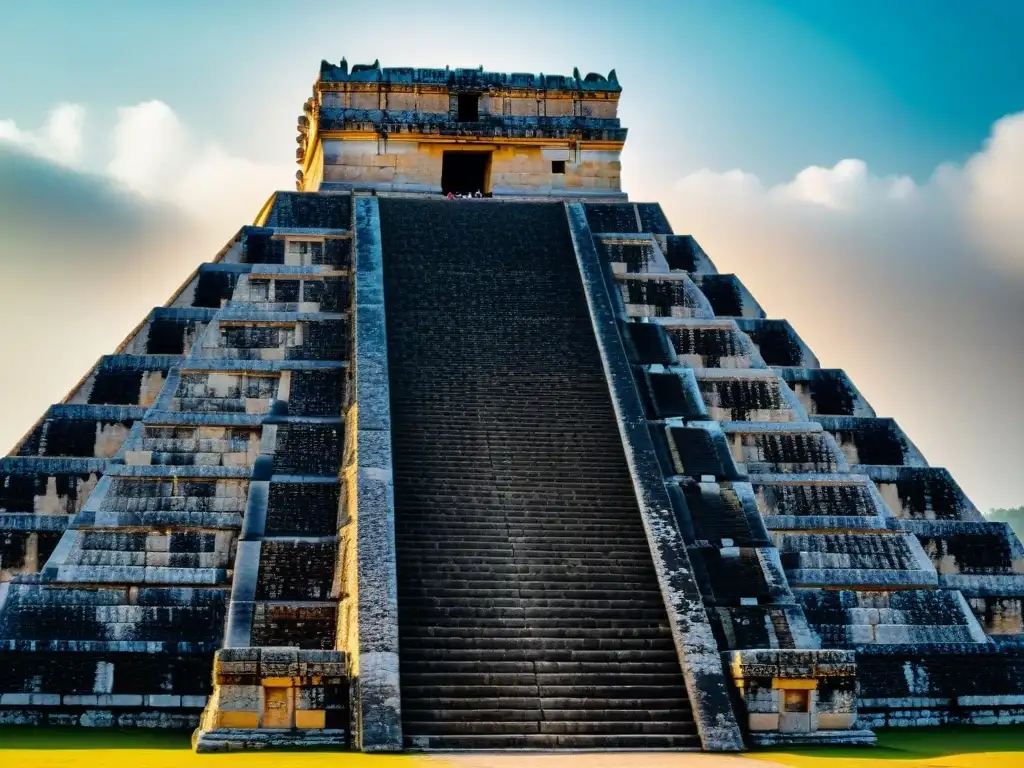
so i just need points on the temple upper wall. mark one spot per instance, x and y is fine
(441, 130)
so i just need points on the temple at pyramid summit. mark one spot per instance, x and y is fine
(457, 447)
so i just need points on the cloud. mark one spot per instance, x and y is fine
(37, 194)
(88, 251)
(846, 186)
(83, 262)
(915, 289)
(59, 140)
(156, 156)
(995, 195)
(147, 144)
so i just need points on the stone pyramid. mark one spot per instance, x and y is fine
(398, 471)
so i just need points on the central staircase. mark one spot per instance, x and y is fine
(530, 613)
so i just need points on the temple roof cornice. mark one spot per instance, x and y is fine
(459, 79)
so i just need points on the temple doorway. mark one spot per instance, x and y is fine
(276, 708)
(464, 173)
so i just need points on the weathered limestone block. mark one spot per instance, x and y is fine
(169, 331)
(848, 619)
(672, 295)
(720, 512)
(789, 448)
(777, 342)
(275, 696)
(926, 685)
(870, 440)
(123, 380)
(866, 559)
(682, 252)
(369, 527)
(826, 392)
(970, 549)
(838, 501)
(799, 696)
(79, 431)
(748, 396)
(47, 486)
(640, 255)
(923, 493)
(999, 615)
(726, 294)
(711, 344)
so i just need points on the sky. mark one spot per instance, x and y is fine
(859, 165)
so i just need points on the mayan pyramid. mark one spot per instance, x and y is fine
(457, 447)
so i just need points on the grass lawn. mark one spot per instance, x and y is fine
(102, 748)
(81, 748)
(945, 747)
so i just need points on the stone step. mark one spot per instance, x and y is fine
(486, 510)
(411, 634)
(508, 727)
(629, 708)
(437, 687)
(585, 592)
(525, 547)
(486, 563)
(432, 741)
(600, 683)
(453, 644)
(638, 572)
(534, 628)
(593, 601)
(436, 526)
(533, 590)
(545, 660)
(548, 529)
(525, 574)
(432, 615)
(236, 739)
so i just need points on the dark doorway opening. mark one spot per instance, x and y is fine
(464, 173)
(469, 107)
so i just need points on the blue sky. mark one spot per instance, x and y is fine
(860, 165)
(767, 86)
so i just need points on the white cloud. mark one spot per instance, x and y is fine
(995, 182)
(120, 236)
(915, 289)
(154, 155)
(980, 203)
(148, 146)
(59, 140)
(846, 186)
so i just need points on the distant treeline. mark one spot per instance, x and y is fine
(1014, 516)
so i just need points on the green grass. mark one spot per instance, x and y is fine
(108, 748)
(948, 746)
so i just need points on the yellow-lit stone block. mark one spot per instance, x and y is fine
(792, 684)
(310, 718)
(138, 458)
(277, 682)
(760, 721)
(836, 722)
(238, 719)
